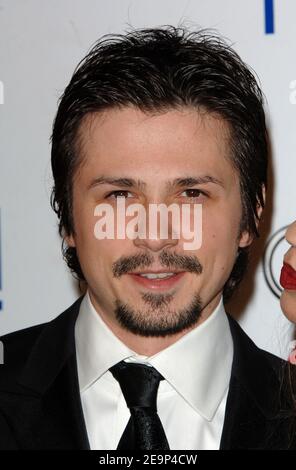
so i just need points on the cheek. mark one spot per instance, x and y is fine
(220, 237)
(219, 250)
(85, 226)
(288, 305)
(291, 234)
(85, 236)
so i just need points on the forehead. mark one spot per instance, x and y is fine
(132, 143)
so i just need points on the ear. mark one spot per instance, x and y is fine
(246, 238)
(70, 240)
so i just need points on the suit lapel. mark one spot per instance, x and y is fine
(47, 407)
(252, 417)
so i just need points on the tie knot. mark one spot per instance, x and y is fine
(138, 382)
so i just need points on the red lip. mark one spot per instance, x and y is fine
(288, 277)
(158, 284)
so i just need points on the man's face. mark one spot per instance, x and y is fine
(154, 155)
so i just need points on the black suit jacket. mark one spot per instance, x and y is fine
(40, 405)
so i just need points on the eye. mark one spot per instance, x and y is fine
(117, 194)
(193, 193)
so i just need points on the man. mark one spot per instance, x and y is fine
(148, 359)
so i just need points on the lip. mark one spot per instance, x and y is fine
(157, 271)
(157, 284)
(288, 277)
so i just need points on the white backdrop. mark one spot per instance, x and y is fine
(41, 42)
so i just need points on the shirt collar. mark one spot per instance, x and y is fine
(198, 365)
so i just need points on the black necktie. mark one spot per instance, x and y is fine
(139, 384)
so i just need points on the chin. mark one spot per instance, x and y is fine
(288, 305)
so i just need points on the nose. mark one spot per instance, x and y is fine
(156, 239)
(291, 234)
(156, 244)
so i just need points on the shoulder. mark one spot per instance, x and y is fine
(246, 347)
(17, 347)
(39, 341)
(255, 368)
(21, 339)
(272, 359)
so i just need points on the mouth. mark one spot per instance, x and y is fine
(157, 280)
(288, 277)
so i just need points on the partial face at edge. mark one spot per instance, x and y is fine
(288, 297)
(155, 150)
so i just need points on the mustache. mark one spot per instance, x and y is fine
(127, 264)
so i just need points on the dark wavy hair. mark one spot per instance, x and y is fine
(156, 70)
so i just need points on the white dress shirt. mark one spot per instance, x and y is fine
(191, 400)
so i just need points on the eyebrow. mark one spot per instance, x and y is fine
(176, 183)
